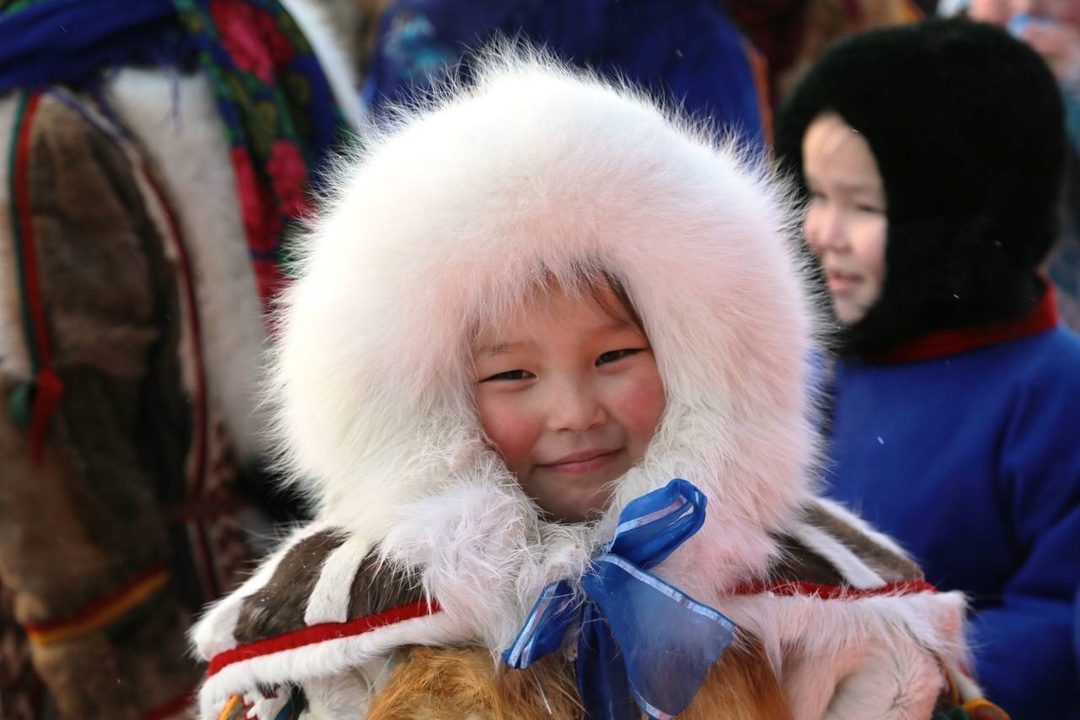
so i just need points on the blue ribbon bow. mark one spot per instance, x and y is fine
(640, 639)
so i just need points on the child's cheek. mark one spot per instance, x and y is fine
(510, 430)
(643, 407)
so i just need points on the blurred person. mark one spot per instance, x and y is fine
(155, 154)
(824, 22)
(775, 28)
(956, 397)
(683, 51)
(1052, 28)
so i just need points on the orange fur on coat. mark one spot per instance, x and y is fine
(464, 683)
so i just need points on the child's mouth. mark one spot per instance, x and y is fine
(581, 461)
(842, 283)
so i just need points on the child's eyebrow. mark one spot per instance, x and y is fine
(499, 348)
(854, 186)
(619, 323)
(847, 188)
(845, 184)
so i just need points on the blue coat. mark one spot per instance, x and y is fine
(685, 50)
(972, 461)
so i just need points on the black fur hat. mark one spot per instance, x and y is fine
(967, 127)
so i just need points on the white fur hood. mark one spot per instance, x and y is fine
(450, 218)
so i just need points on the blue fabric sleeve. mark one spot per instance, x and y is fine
(1076, 633)
(686, 50)
(1026, 660)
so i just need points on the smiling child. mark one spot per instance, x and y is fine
(544, 374)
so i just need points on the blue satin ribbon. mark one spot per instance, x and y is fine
(640, 640)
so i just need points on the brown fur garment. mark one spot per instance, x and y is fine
(83, 523)
(464, 684)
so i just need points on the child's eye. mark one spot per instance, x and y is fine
(509, 375)
(872, 209)
(613, 355)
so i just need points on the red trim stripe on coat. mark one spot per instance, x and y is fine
(321, 633)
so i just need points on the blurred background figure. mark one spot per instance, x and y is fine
(684, 50)
(792, 33)
(155, 155)
(991, 11)
(933, 157)
(1052, 28)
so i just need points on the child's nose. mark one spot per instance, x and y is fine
(575, 406)
(825, 230)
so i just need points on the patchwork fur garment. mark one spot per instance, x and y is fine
(134, 515)
(450, 220)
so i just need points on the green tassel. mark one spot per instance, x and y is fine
(20, 404)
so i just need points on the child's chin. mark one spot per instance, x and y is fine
(573, 508)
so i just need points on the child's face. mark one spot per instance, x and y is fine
(845, 221)
(569, 393)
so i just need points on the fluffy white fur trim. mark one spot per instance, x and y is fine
(177, 124)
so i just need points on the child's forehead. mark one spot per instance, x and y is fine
(597, 304)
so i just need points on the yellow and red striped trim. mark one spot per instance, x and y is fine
(46, 389)
(230, 706)
(101, 613)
